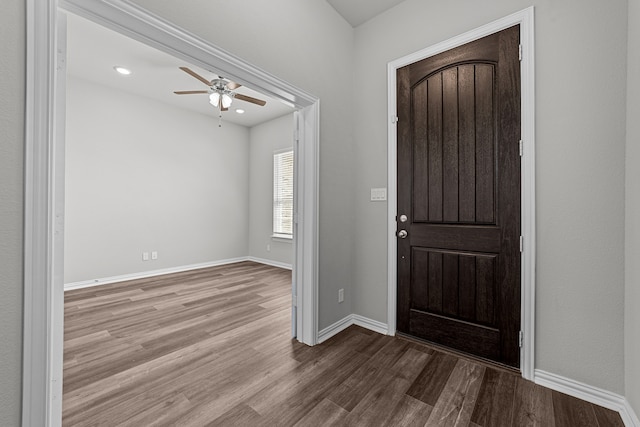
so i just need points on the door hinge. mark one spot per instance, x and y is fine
(394, 119)
(520, 52)
(294, 302)
(521, 243)
(520, 147)
(520, 339)
(61, 60)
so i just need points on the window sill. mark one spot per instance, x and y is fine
(286, 238)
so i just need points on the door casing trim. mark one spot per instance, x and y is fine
(524, 18)
(44, 179)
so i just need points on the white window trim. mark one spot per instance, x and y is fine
(282, 237)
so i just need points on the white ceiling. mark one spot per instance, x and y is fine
(357, 12)
(93, 51)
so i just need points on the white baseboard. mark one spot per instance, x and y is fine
(335, 329)
(629, 417)
(352, 319)
(372, 325)
(590, 394)
(152, 273)
(270, 262)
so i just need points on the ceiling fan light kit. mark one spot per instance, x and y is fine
(221, 92)
(226, 100)
(215, 97)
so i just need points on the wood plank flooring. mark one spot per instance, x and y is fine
(212, 347)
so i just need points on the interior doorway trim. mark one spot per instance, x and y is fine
(525, 19)
(44, 179)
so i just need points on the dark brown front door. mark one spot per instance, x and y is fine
(459, 189)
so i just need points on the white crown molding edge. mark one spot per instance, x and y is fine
(152, 30)
(590, 394)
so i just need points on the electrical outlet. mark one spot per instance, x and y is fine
(154, 255)
(145, 256)
(340, 295)
(268, 247)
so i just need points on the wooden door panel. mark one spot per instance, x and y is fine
(460, 285)
(466, 144)
(451, 294)
(458, 183)
(434, 151)
(420, 155)
(447, 236)
(485, 143)
(450, 145)
(483, 341)
(449, 188)
(467, 285)
(482, 50)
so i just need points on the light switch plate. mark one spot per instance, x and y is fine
(378, 194)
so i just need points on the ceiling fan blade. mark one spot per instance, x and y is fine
(189, 92)
(196, 75)
(250, 99)
(224, 109)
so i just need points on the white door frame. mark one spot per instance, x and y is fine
(525, 19)
(44, 179)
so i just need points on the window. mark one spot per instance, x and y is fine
(283, 194)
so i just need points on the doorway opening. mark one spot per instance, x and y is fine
(157, 183)
(527, 190)
(44, 193)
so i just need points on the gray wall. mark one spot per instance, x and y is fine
(580, 137)
(265, 139)
(12, 70)
(306, 43)
(151, 177)
(632, 231)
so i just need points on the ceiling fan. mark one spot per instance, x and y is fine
(221, 92)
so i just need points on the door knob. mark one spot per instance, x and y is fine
(402, 234)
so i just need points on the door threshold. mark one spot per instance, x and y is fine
(473, 358)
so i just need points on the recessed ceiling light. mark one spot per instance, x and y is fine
(122, 70)
(239, 111)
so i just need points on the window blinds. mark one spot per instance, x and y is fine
(283, 194)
